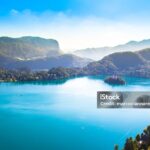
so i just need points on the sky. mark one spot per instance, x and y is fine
(77, 24)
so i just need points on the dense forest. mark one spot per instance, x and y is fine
(141, 141)
(24, 74)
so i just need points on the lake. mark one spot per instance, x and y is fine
(63, 115)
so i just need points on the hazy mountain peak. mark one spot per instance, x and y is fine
(29, 47)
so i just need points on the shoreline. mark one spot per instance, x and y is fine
(65, 79)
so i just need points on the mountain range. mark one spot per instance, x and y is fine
(46, 54)
(99, 53)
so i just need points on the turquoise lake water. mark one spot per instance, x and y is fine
(63, 115)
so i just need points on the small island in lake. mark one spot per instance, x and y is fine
(115, 80)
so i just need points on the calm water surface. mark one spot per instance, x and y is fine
(62, 115)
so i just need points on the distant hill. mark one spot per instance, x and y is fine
(66, 60)
(6, 61)
(123, 63)
(125, 60)
(28, 47)
(99, 53)
(93, 53)
(145, 54)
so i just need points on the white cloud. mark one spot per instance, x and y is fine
(14, 12)
(74, 32)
